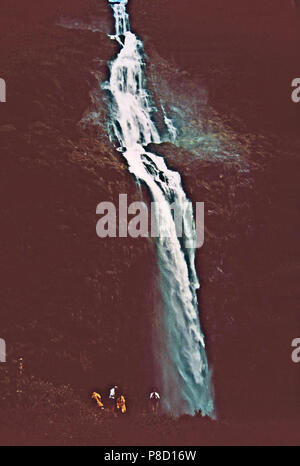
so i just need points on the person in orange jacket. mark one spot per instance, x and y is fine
(121, 404)
(97, 397)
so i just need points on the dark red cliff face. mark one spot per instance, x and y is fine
(247, 51)
(271, 21)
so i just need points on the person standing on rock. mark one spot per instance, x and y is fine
(154, 400)
(113, 395)
(97, 397)
(121, 404)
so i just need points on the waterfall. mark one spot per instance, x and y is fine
(183, 376)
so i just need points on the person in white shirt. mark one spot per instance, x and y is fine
(154, 400)
(113, 395)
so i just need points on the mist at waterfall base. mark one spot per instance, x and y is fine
(182, 372)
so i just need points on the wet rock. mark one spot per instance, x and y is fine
(7, 129)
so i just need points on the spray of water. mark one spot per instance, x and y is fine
(179, 351)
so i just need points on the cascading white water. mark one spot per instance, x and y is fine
(183, 374)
